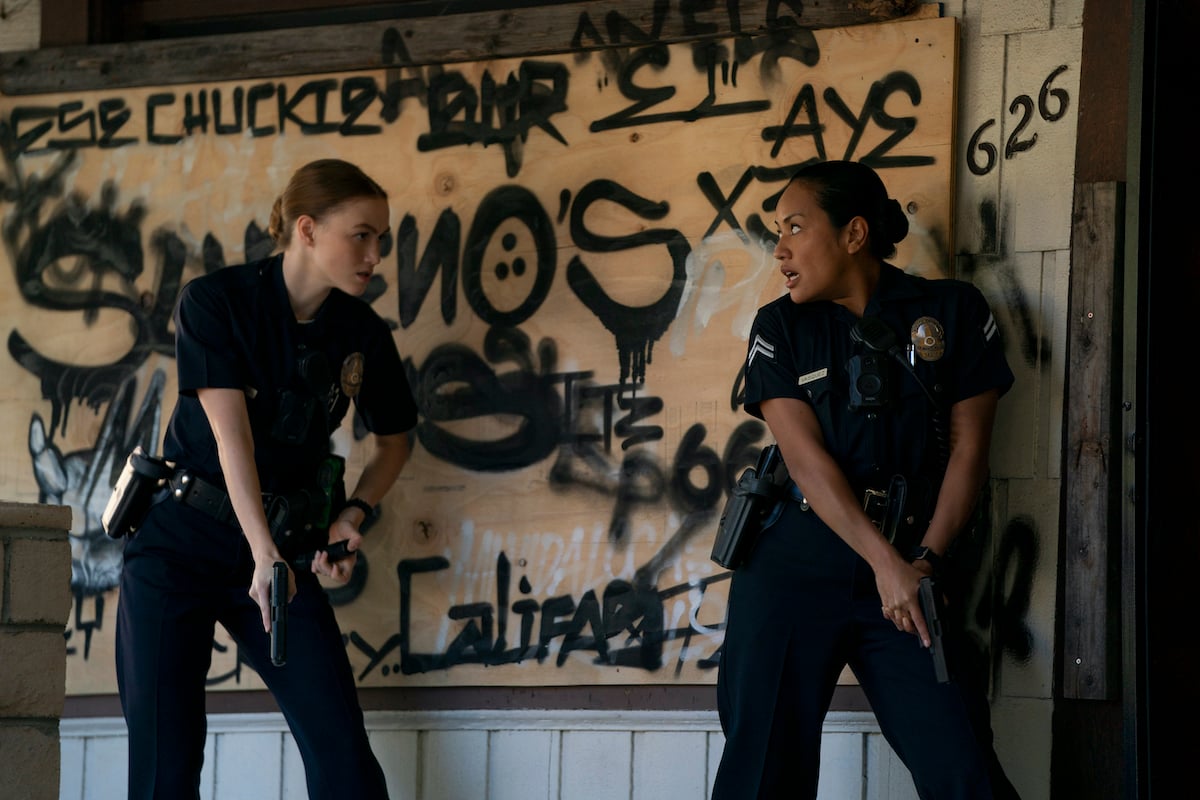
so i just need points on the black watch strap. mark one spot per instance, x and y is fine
(361, 505)
(923, 553)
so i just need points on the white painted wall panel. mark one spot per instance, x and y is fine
(1023, 742)
(294, 781)
(453, 765)
(208, 777)
(1029, 674)
(716, 745)
(1013, 288)
(21, 26)
(519, 766)
(249, 765)
(105, 761)
(1058, 266)
(1039, 182)
(596, 765)
(890, 778)
(978, 216)
(561, 755)
(70, 774)
(841, 766)
(669, 765)
(1014, 16)
(397, 751)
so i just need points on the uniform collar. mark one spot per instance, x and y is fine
(271, 269)
(894, 284)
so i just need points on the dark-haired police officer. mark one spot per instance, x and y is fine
(880, 389)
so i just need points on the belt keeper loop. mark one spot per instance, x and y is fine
(180, 492)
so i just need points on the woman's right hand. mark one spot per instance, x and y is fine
(260, 584)
(899, 585)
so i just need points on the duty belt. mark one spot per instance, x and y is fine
(198, 493)
(289, 517)
(886, 507)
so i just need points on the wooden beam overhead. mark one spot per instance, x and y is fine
(471, 36)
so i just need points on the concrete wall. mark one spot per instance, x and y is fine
(35, 599)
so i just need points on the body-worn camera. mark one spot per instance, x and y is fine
(869, 384)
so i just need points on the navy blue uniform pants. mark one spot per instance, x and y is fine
(804, 606)
(184, 573)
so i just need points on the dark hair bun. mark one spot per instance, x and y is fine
(895, 221)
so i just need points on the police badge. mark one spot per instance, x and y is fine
(928, 338)
(352, 374)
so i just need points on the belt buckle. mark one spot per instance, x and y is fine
(875, 503)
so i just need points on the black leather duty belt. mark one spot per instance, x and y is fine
(878, 504)
(198, 493)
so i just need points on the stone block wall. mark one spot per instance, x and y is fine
(35, 601)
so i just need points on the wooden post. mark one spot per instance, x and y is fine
(1090, 584)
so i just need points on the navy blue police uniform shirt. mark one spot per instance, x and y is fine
(235, 329)
(803, 351)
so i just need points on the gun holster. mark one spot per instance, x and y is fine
(895, 508)
(134, 492)
(753, 497)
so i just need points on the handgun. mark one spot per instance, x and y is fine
(337, 551)
(279, 599)
(931, 609)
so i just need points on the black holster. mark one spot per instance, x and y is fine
(902, 512)
(753, 497)
(141, 479)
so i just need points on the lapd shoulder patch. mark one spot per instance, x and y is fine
(352, 374)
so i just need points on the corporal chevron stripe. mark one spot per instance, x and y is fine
(760, 345)
(989, 327)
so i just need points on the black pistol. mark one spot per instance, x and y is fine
(279, 599)
(337, 551)
(931, 609)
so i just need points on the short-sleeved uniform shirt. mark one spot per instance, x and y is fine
(804, 351)
(235, 329)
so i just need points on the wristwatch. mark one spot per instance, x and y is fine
(361, 505)
(923, 553)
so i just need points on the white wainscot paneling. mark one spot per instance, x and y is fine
(492, 755)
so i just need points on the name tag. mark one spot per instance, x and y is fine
(813, 376)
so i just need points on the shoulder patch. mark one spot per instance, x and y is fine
(989, 327)
(760, 347)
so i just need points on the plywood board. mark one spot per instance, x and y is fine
(580, 249)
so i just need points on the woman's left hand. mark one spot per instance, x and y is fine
(339, 570)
